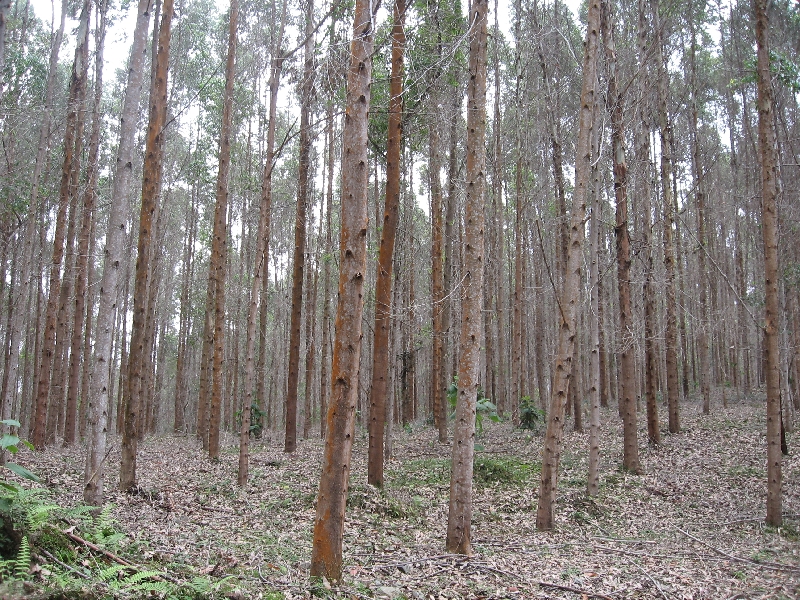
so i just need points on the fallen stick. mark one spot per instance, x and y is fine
(97, 548)
(114, 557)
(771, 566)
(567, 588)
(64, 565)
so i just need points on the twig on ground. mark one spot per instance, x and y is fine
(772, 566)
(650, 577)
(66, 566)
(567, 588)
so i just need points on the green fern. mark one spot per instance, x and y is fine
(157, 587)
(16, 569)
(22, 564)
(111, 572)
(141, 576)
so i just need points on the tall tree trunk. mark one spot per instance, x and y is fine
(671, 317)
(571, 288)
(87, 226)
(326, 283)
(438, 299)
(326, 555)
(698, 175)
(383, 286)
(306, 92)
(219, 246)
(152, 172)
(770, 186)
(627, 367)
(459, 539)
(72, 141)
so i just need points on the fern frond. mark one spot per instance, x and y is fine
(158, 587)
(111, 572)
(22, 564)
(141, 576)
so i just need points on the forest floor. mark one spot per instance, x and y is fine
(690, 527)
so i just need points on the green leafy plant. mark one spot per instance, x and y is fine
(256, 420)
(11, 443)
(484, 407)
(530, 416)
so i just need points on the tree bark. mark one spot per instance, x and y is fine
(459, 538)
(770, 187)
(219, 245)
(326, 556)
(383, 286)
(153, 167)
(72, 141)
(627, 399)
(571, 287)
(671, 316)
(306, 92)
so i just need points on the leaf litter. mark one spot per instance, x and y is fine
(691, 527)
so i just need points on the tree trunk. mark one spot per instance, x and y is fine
(87, 226)
(770, 187)
(153, 167)
(571, 288)
(627, 399)
(326, 556)
(383, 286)
(306, 92)
(67, 190)
(459, 539)
(326, 283)
(219, 245)
(671, 317)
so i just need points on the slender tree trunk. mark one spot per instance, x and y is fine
(698, 175)
(306, 92)
(220, 240)
(438, 299)
(67, 190)
(459, 539)
(383, 286)
(326, 556)
(770, 188)
(571, 288)
(671, 316)
(87, 226)
(326, 285)
(627, 367)
(153, 167)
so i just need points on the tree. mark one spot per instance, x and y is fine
(571, 287)
(73, 142)
(383, 286)
(469, 347)
(627, 374)
(770, 183)
(218, 266)
(326, 555)
(671, 316)
(298, 264)
(151, 178)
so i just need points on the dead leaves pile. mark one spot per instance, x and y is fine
(691, 527)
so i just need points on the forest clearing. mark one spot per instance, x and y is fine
(690, 527)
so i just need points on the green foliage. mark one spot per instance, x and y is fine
(785, 71)
(530, 416)
(483, 406)
(256, 420)
(16, 569)
(504, 470)
(10, 442)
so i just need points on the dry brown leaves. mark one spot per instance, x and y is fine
(691, 527)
